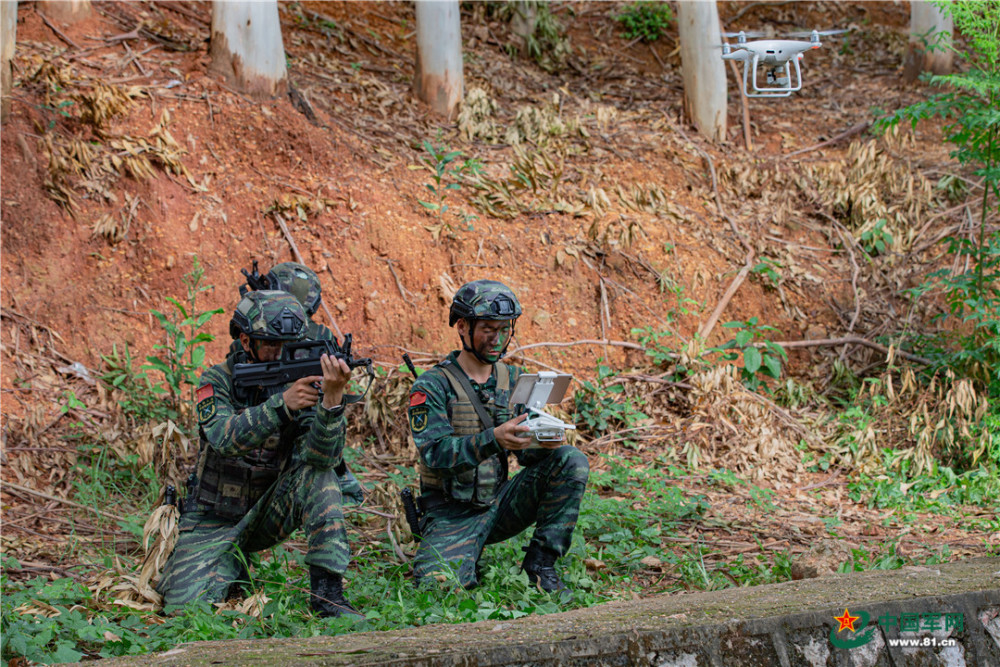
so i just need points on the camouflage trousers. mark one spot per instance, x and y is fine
(211, 551)
(547, 494)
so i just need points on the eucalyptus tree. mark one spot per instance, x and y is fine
(66, 11)
(8, 35)
(702, 67)
(246, 46)
(931, 30)
(438, 79)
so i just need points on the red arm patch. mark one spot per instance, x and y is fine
(417, 398)
(204, 391)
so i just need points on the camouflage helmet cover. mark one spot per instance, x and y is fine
(269, 315)
(484, 300)
(299, 280)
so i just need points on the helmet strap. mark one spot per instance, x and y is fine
(251, 350)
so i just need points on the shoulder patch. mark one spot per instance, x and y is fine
(418, 418)
(205, 405)
(417, 398)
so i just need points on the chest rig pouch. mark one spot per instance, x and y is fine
(480, 485)
(230, 486)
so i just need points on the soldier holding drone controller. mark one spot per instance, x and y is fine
(463, 422)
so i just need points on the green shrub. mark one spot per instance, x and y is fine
(645, 20)
(761, 357)
(184, 351)
(972, 125)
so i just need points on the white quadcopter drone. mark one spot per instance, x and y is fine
(775, 55)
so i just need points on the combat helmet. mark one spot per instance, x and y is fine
(484, 300)
(269, 315)
(299, 280)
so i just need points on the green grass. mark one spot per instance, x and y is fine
(632, 535)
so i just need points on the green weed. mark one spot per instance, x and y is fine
(939, 491)
(603, 407)
(971, 126)
(761, 357)
(769, 272)
(877, 240)
(136, 396)
(646, 21)
(183, 356)
(447, 174)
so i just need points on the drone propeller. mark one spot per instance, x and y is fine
(752, 34)
(821, 33)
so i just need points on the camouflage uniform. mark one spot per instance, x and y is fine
(262, 472)
(302, 282)
(468, 500)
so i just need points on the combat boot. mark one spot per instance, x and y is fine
(539, 566)
(327, 596)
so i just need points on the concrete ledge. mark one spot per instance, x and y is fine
(788, 625)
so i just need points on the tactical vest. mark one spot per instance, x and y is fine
(231, 486)
(479, 485)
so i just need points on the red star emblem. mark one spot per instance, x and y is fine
(846, 621)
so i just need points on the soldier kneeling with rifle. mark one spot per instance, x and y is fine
(267, 463)
(302, 282)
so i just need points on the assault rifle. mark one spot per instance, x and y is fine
(255, 281)
(298, 360)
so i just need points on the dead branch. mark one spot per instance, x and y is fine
(846, 134)
(708, 159)
(535, 362)
(743, 103)
(706, 330)
(848, 243)
(403, 292)
(829, 479)
(615, 343)
(854, 340)
(64, 501)
(754, 5)
(654, 379)
(182, 10)
(392, 540)
(132, 34)
(56, 30)
(298, 258)
(657, 56)
(715, 187)
(13, 314)
(605, 314)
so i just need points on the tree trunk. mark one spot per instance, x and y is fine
(931, 31)
(523, 24)
(438, 80)
(702, 67)
(8, 34)
(65, 11)
(247, 50)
